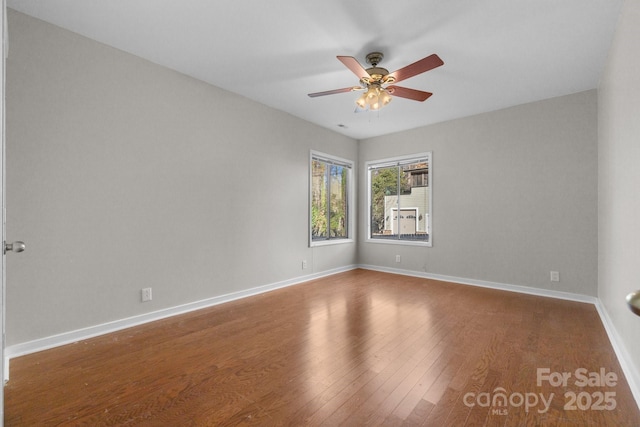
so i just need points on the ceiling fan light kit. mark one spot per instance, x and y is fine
(373, 99)
(379, 83)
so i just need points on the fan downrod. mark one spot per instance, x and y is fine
(374, 58)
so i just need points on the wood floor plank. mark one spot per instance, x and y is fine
(438, 416)
(432, 367)
(356, 348)
(370, 395)
(419, 415)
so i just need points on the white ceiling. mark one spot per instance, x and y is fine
(496, 53)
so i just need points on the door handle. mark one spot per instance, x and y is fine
(15, 247)
(633, 299)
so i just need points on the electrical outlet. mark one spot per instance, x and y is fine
(397, 258)
(555, 276)
(146, 294)
(304, 264)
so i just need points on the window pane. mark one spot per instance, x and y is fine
(413, 218)
(384, 202)
(318, 200)
(338, 195)
(400, 199)
(331, 187)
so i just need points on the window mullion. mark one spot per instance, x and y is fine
(328, 201)
(398, 199)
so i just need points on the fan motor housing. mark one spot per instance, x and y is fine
(377, 74)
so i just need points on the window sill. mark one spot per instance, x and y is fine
(330, 242)
(399, 242)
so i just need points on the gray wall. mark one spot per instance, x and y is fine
(122, 174)
(514, 195)
(619, 181)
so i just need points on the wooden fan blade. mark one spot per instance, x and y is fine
(352, 63)
(418, 67)
(404, 92)
(331, 92)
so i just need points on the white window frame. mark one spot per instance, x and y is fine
(350, 165)
(396, 161)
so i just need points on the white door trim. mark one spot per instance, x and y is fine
(3, 54)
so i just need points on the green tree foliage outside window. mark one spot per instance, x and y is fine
(384, 182)
(329, 200)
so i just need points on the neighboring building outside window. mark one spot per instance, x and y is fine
(331, 189)
(400, 204)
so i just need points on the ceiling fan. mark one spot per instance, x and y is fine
(380, 83)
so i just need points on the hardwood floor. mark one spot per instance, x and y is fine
(357, 348)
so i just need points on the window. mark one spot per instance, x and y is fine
(330, 199)
(400, 200)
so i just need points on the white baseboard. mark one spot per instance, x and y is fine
(485, 284)
(105, 328)
(626, 362)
